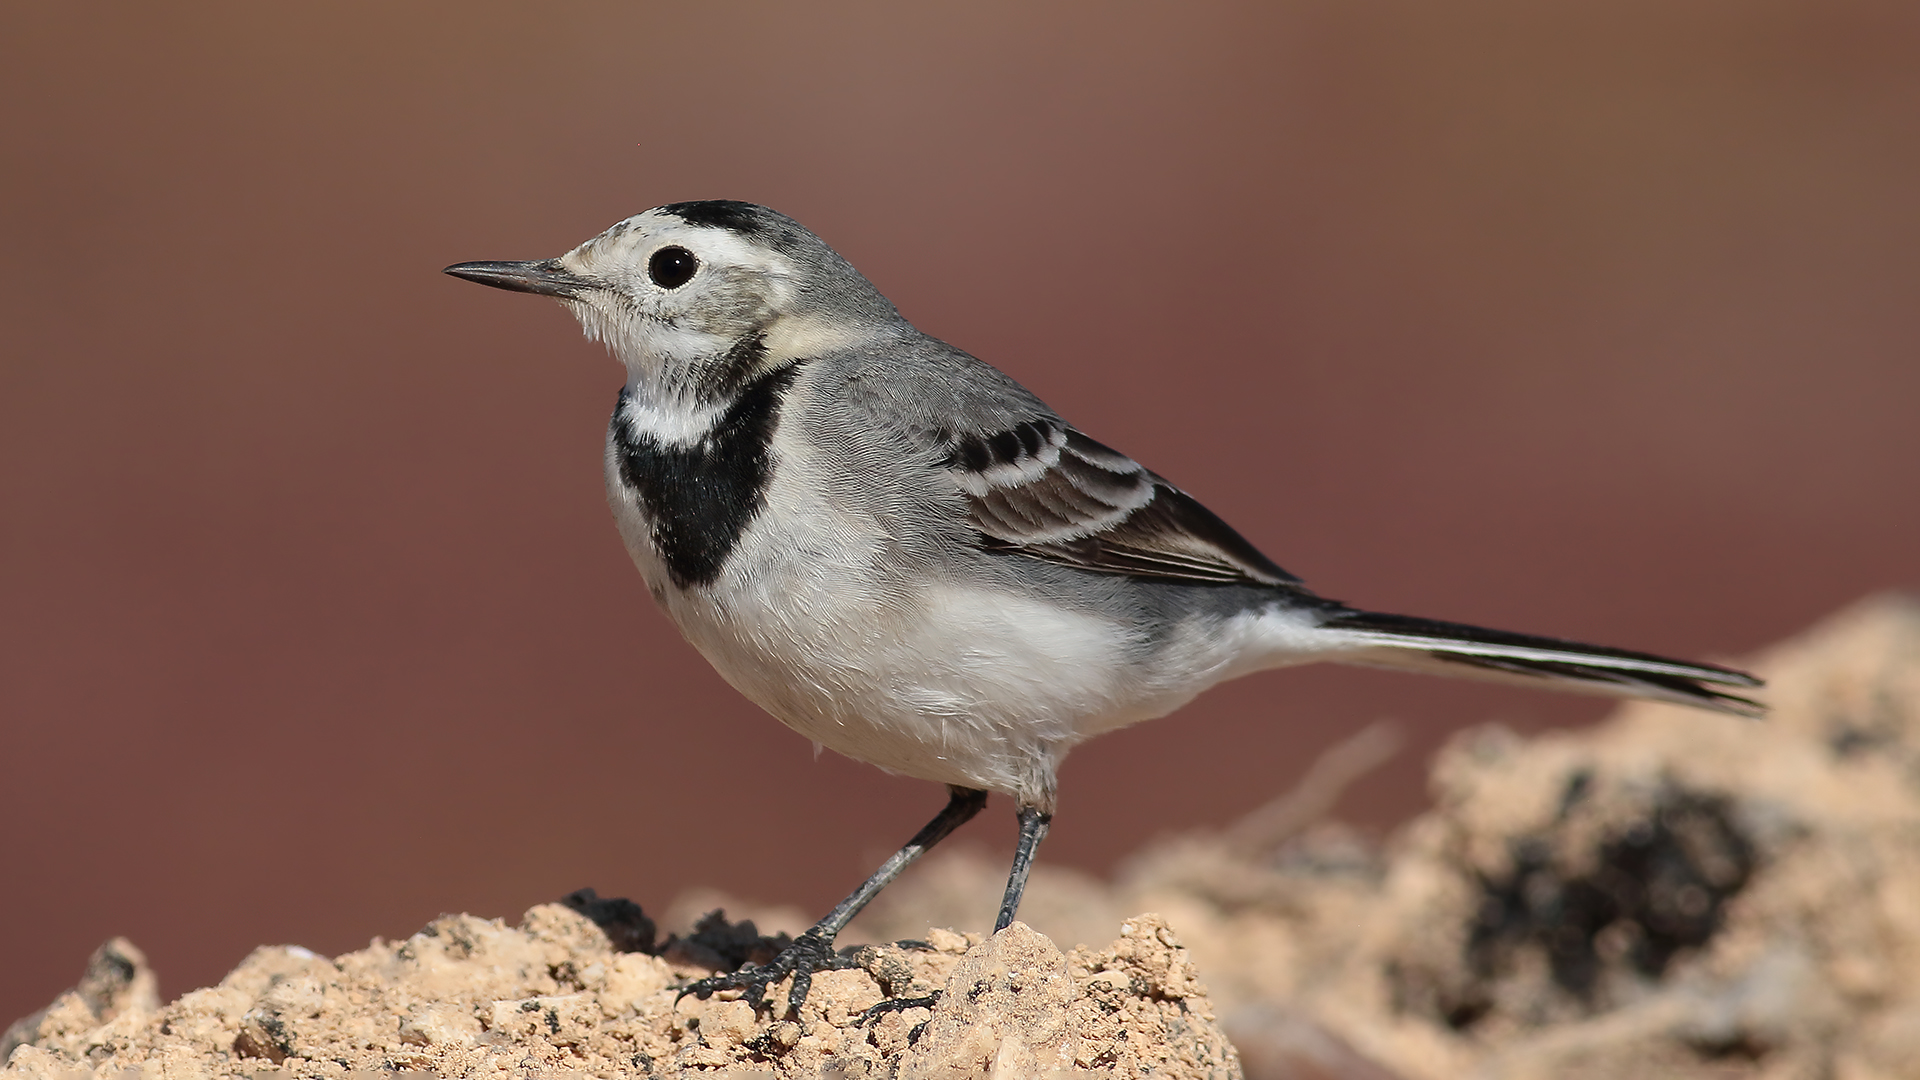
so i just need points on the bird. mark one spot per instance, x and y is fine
(906, 556)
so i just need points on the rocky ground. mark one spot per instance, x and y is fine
(1668, 894)
(562, 995)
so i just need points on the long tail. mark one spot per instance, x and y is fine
(1442, 648)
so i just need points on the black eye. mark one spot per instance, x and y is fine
(670, 267)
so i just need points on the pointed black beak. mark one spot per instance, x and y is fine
(544, 276)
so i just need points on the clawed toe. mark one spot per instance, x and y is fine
(899, 1004)
(809, 953)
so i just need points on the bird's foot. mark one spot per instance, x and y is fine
(810, 952)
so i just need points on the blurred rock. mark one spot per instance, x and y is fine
(116, 984)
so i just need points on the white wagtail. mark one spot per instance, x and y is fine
(906, 556)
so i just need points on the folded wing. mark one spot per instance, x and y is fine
(1045, 491)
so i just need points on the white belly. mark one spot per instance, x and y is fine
(955, 682)
(932, 680)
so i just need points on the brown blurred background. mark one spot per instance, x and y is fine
(1594, 319)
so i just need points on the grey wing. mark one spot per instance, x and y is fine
(1044, 490)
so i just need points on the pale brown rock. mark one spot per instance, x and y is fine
(1004, 1013)
(117, 986)
(476, 998)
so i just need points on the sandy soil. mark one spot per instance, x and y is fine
(555, 996)
(1670, 894)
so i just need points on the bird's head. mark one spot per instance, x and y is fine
(698, 298)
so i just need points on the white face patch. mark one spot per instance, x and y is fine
(704, 321)
(620, 255)
(661, 334)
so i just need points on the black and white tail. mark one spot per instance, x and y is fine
(1442, 648)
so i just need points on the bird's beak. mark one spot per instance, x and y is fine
(544, 276)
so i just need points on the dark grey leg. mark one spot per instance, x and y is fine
(962, 805)
(1033, 829)
(813, 950)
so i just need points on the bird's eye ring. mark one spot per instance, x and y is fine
(672, 266)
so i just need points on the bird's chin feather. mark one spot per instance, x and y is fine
(618, 329)
(659, 357)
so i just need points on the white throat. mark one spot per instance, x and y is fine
(673, 420)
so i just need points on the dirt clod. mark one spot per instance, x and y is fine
(117, 983)
(627, 927)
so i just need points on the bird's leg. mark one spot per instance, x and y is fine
(813, 950)
(1033, 829)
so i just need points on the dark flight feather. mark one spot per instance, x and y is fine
(1045, 491)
